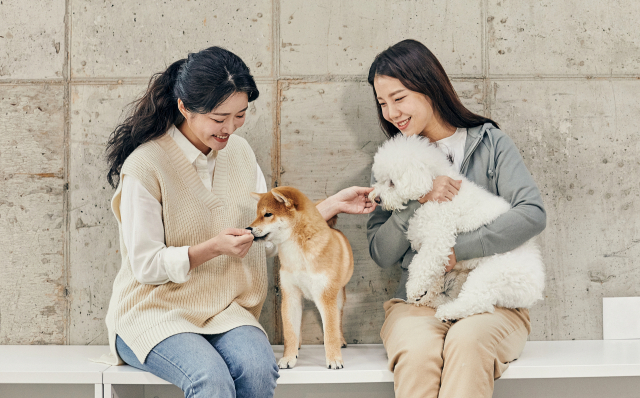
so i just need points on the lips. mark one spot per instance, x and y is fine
(221, 138)
(403, 124)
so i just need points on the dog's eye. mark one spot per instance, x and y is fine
(391, 184)
(268, 214)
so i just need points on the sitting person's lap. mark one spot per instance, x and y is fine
(432, 358)
(239, 363)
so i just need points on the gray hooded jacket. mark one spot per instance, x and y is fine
(492, 161)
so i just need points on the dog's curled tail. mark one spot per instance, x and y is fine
(332, 221)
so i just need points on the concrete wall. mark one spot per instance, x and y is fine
(562, 79)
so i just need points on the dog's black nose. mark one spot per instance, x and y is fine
(378, 200)
(249, 228)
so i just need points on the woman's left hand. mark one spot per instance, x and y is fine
(352, 200)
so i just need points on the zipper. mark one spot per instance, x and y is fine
(473, 149)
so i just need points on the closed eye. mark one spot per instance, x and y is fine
(391, 184)
(268, 214)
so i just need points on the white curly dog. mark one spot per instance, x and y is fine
(404, 169)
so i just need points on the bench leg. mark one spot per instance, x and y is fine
(98, 391)
(107, 391)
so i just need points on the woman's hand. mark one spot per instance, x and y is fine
(352, 200)
(444, 189)
(232, 242)
(452, 261)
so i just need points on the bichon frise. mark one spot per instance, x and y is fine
(404, 169)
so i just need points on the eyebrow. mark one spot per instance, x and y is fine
(394, 93)
(227, 114)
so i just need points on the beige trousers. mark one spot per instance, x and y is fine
(432, 359)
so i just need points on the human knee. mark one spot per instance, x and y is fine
(470, 341)
(209, 382)
(261, 368)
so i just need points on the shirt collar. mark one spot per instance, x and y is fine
(190, 151)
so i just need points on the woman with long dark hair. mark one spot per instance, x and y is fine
(187, 298)
(430, 358)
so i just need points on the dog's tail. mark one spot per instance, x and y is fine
(333, 220)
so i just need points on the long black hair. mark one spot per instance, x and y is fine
(419, 70)
(202, 81)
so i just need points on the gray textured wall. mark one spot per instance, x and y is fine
(562, 78)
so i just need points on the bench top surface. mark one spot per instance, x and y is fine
(367, 363)
(364, 363)
(51, 364)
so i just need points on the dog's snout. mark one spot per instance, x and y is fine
(250, 229)
(377, 200)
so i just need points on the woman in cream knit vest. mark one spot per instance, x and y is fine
(187, 298)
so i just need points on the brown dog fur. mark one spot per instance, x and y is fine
(316, 262)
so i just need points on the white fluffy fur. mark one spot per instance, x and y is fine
(404, 168)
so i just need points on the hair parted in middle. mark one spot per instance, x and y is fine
(419, 70)
(203, 81)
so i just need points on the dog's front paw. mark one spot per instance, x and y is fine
(287, 362)
(335, 363)
(446, 313)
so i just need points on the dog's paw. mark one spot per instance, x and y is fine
(335, 363)
(446, 313)
(287, 362)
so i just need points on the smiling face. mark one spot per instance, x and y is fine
(411, 112)
(212, 130)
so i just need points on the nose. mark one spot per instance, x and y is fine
(377, 200)
(250, 229)
(394, 112)
(228, 127)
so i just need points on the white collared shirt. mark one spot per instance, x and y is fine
(151, 260)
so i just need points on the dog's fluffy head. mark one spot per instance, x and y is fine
(278, 212)
(404, 169)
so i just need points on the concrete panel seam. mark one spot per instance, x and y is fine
(66, 74)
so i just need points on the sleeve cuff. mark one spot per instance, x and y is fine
(405, 214)
(468, 245)
(176, 264)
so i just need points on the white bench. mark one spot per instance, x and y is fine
(367, 363)
(364, 363)
(50, 364)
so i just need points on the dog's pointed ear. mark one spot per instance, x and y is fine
(256, 196)
(280, 197)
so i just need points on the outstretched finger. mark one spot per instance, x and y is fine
(237, 232)
(363, 190)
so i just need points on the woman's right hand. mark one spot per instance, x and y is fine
(444, 189)
(234, 242)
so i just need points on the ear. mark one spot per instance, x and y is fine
(280, 197)
(256, 196)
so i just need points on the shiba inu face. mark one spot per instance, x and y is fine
(275, 216)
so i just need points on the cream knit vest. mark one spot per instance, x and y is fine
(222, 293)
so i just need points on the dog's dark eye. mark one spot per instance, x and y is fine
(268, 214)
(391, 184)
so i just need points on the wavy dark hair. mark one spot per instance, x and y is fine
(203, 81)
(419, 70)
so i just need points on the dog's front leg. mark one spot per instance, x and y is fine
(291, 322)
(330, 312)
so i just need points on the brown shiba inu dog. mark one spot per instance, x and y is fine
(316, 262)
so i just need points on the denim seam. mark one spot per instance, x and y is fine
(177, 367)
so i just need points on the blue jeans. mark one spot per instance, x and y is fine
(238, 363)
